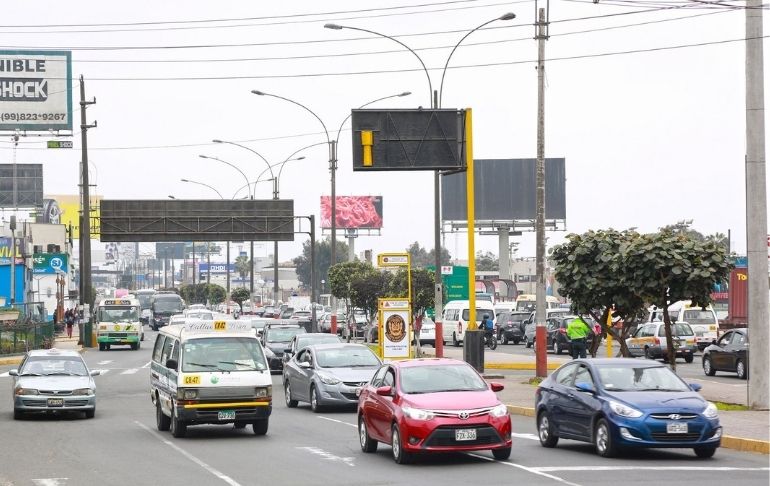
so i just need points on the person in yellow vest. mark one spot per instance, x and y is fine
(577, 332)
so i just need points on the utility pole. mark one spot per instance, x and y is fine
(541, 360)
(438, 296)
(86, 299)
(756, 209)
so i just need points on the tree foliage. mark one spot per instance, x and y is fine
(486, 261)
(243, 266)
(240, 295)
(422, 258)
(202, 293)
(323, 258)
(359, 284)
(423, 288)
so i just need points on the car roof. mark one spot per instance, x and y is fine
(339, 346)
(630, 362)
(53, 352)
(411, 363)
(314, 335)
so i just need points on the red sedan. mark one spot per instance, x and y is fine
(432, 405)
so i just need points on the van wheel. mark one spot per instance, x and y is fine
(260, 427)
(178, 427)
(455, 342)
(161, 420)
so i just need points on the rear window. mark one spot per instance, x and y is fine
(479, 314)
(676, 330)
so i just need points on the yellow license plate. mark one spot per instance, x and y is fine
(192, 380)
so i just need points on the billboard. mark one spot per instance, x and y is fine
(216, 268)
(35, 90)
(27, 192)
(49, 263)
(6, 247)
(65, 209)
(353, 212)
(505, 191)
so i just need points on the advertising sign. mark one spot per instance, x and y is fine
(65, 209)
(6, 249)
(49, 263)
(395, 332)
(393, 260)
(21, 185)
(35, 90)
(353, 212)
(216, 268)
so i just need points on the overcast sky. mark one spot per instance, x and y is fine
(649, 138)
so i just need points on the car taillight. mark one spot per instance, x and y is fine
(657, 342)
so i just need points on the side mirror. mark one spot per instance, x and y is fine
(304, 364)
(287, 351)
(13, 372)
(695, 387)
(172, 364)
(585, 387)
(96, 372)
(496, 387)
(385, 391)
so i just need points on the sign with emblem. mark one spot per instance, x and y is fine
(395, 331)
(393, 260)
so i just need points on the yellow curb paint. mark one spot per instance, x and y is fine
(728, 442)
(10, 361)
(517, 366)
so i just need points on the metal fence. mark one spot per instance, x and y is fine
(22, 336)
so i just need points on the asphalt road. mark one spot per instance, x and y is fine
(121, 446)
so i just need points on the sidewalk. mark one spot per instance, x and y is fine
(61, 341)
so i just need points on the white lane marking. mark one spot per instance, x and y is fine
(4, 375)
(525, 468)
(338, 421)
(105, 362)
(740, 385)
(50, 481)
(147, 365)
(525, 436)
(215, 472)
(102, 371)
(130, 371)
(647, 468)
(328, 455)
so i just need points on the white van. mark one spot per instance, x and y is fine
(210, 372)
(527, 302)
(456, 315)
(703, 322)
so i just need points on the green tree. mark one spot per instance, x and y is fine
(422, 258)
(341, 277)
(366, 286)
(216, 293)
(243, 266)
(590, 270)
(423, 288)
(202, 293)
(240, 295)
(486, 261)
(669, 266)
(323, 258)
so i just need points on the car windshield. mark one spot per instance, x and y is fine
(201, 315)
(59, 365)
(346, 358)
(167, 305)
(282, 335)
(643, 378)
(222, 354)
(440, 378)
(323, 339)
(118, 314)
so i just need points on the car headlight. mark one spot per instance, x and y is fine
(418, 414)
(499, 411)
(711, 411)
(269, 353)
(188, 393)
(83, 391)
(327, 379)
(263, 392)
(624, 410)
(26, 391)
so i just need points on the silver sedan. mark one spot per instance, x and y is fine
(51, 380)
(328, 374)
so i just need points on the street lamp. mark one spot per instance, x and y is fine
(203, 184)
(231, 165)
(171, 197)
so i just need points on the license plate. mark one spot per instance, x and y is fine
(226, 415)
(676, 428)
(465, 434)
(55, 402)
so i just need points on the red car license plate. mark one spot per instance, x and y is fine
(465, 434)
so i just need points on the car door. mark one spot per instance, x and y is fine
(740, 343)
(719, 353)
(634, 343)
(301, 375)
(557, 401)
(580, 406)
(370, 405)
(383, 410)
(733, 349)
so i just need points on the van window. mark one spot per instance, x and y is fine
(175, 351)
(166, 350)
(698, 316)
(479, 314)
(158, 347)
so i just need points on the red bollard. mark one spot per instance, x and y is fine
(438, 339)
(333, 329)
(541, 352)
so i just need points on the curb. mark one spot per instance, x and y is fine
(518, 366)
(12, 360)
(728, 442)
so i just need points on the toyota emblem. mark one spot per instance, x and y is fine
(463, 415)
(674, 416)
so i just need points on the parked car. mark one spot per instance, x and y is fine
(301, 340)
(530, 325)
(328, 374)
(558, 341)
(729, 353)
(428, 332)
(355, 326)
(510, 326)
(432, 405)
(52, 380)
(619, 403)
(649, 341)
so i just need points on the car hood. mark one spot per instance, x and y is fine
(54, 382)
(277, 346)
(461, 400)
(350, 374)
(652, 401)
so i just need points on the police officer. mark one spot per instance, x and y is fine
(577, 332)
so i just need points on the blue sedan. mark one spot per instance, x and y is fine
(620, 403)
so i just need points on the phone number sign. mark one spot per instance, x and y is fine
(35, 90)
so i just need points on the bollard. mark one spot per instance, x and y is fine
(333, 329)
(438, 339)
(473, 349)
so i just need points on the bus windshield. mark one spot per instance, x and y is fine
(118, 314)
(144, 300)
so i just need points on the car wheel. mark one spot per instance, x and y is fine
(367, 443)
(504, 339)
(502, 454)
(178, 427)
(17, 414)
(516, 341)
(101, 347)
(557, 347)
(399, 455)
(705, 452)
(708, 369)
(142, 338)
(161, 421)
(648, 354)
(545, 431)
(740, 370)
(91, 413)
(287, 392)
(527, 343)
(689, 358)
(605, 446)
(455, 342)
(260, 426)
(315, 406)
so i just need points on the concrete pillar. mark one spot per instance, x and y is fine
(503, 240)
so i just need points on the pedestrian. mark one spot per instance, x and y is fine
(577, 332)
(69, 319)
